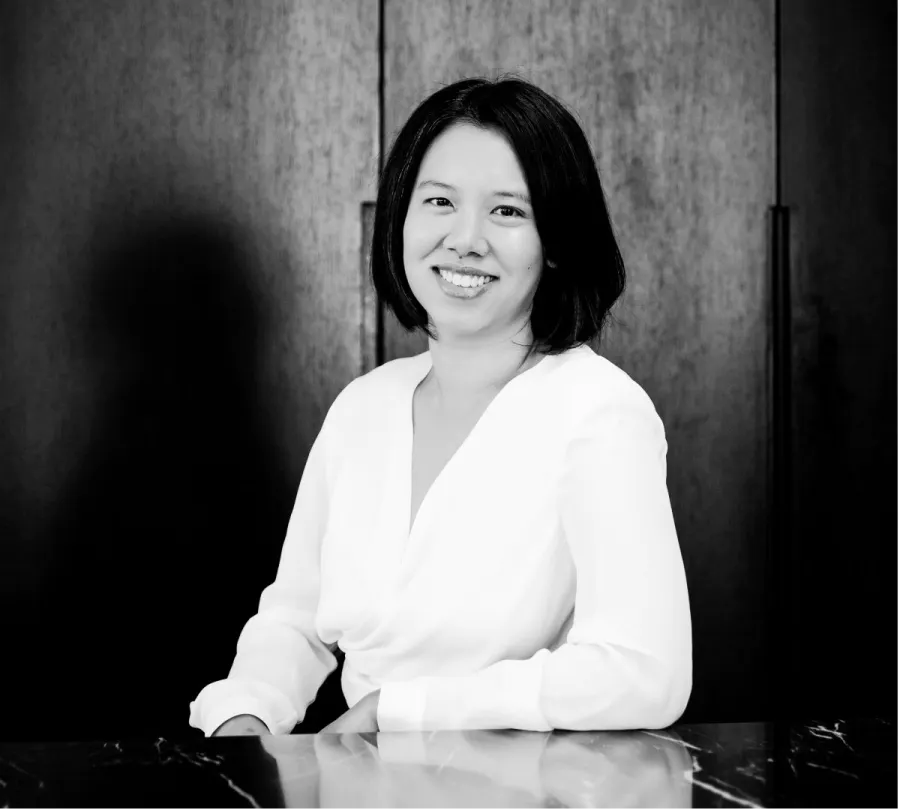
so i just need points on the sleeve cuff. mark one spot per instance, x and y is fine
(504, 695)
(401, 705)
(224, 699)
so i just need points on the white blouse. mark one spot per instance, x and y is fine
(541, 585)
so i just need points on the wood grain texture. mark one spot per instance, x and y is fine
(675, 97)
(368, 333)
(260, 115)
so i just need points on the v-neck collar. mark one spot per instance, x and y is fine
(418, 373)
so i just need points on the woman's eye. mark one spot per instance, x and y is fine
(508, 211)
(438, 202)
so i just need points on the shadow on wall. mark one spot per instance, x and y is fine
(176, 515)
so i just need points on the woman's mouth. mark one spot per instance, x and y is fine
(462, 284)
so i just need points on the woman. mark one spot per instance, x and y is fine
(484, 529)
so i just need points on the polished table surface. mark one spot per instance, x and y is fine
(835, 762)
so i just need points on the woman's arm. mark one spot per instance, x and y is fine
(281, 662)
(627, 661)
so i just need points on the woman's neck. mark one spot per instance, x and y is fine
(468, 372)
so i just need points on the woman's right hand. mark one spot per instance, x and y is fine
(243, 725)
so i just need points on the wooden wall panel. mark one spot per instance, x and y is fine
(182, 279)
(368, 332)
(676, 99)
(262, 114)
(839, 168)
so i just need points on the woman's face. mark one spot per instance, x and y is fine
(470, 246)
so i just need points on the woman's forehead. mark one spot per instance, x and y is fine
(470, 155)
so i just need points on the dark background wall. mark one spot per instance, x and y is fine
(182, 297)
(839, 168)
(180, 265)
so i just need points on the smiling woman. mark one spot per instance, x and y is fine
(499, 158)
(462, 239)
(484, 529)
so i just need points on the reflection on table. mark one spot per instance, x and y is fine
(816, 763)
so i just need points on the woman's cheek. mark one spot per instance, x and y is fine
(426, 234)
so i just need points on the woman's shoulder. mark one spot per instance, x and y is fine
(589, 383)
(582, 370)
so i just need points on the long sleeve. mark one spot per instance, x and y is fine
(281, 662)
(627, 660)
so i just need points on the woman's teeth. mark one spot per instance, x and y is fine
(460, 280)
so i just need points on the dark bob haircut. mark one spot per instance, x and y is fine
(583, 273)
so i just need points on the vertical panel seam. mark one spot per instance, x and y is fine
(379, 309)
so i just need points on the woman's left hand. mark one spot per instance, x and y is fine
(361, 718)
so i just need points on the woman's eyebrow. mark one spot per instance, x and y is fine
(514, 195)
(436, 184)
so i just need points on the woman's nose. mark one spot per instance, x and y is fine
(466, 236)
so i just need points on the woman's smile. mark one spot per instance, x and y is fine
(464, 284)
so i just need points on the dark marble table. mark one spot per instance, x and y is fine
(816, 763)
